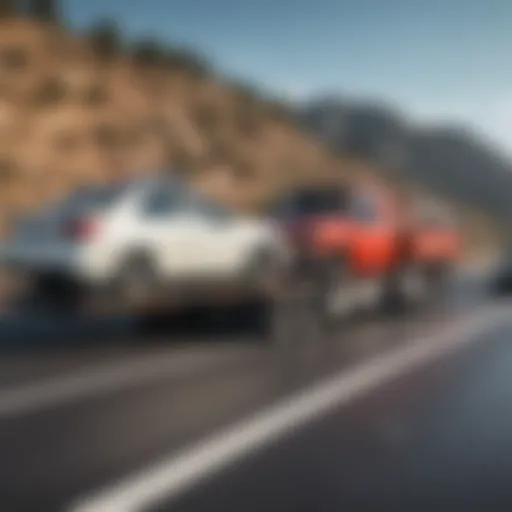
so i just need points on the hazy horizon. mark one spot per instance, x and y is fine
(445, 60)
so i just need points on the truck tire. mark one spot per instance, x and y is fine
(439, 278)
(406, 288)
(271, 306)
(331, 298)
(59, 296)
(273, 318)
(136, 279)
(133, 287)
(265, 269)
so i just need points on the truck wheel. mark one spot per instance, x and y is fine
(438, 282)
(134, 286)
(439, 278)
(333, 289)
(266, 271)
(58, 296)
(407, 288)
(276, 321)
(136, 281)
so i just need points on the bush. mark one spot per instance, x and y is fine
(159, 126)
(279, 111)
(180, 58)
(148, 52)
(66, 142)
(244, 170)
(8, 169)
(181, 161)
(44, 10)
(220, 153)
(7, 8)
(133, 136)
(246, 93)
(107, 136)
(106, 40)
(207, 117)
(14, 58)
(96, 95)
(51, 91)
(248, 122)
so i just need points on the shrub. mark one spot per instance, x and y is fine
(180, 58)
(7, 8)
(248, 122)
(148, 52)
(14, 58)
(244, 170)
(96, 95)
(133, 136)
(51, 91)
(220, 153)
(279, 111)
(207, 117)
(246, 93)
(8, 169)
(107, 136)
(66, 141)
(106, 40)
(44, 10)
(180, 161)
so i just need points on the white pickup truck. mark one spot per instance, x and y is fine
(141, 242)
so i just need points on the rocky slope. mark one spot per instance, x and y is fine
(76, 109)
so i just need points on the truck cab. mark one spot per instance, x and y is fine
(340, 223)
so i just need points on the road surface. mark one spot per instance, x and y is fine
(405, 409)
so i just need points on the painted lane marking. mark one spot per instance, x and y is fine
(99, 379)
(169, 477)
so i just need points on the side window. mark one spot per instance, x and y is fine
(363, 208)
(210, 210)
(161, 202)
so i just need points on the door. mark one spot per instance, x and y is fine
(168, 231)
(373, 242)
(215, 231)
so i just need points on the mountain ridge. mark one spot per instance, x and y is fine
(447, 158)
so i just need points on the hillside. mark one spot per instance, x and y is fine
(69, 114)
(77, 108)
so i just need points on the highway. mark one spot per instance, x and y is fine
(397, 410)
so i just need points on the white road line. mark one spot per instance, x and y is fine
(54, 391)
(476, 270)
(169, 477)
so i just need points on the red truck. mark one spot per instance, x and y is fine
(361, 247)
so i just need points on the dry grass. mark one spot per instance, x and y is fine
(67, 115)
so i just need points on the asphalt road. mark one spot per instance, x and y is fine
(84, 406)
(436, 439)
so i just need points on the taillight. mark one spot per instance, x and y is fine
(81, 229)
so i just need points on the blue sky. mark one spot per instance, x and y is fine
(447, 59)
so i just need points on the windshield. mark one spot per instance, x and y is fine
(96, 198)
(92, 198)
(313, 202)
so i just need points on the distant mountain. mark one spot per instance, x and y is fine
(448, 159)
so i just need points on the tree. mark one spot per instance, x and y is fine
(149, 52)
(181, 58)
(7, 8)
(106, 39)
(44, 10)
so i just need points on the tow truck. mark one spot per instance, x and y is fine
(360, 249)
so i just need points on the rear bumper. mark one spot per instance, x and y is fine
(43, 260)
